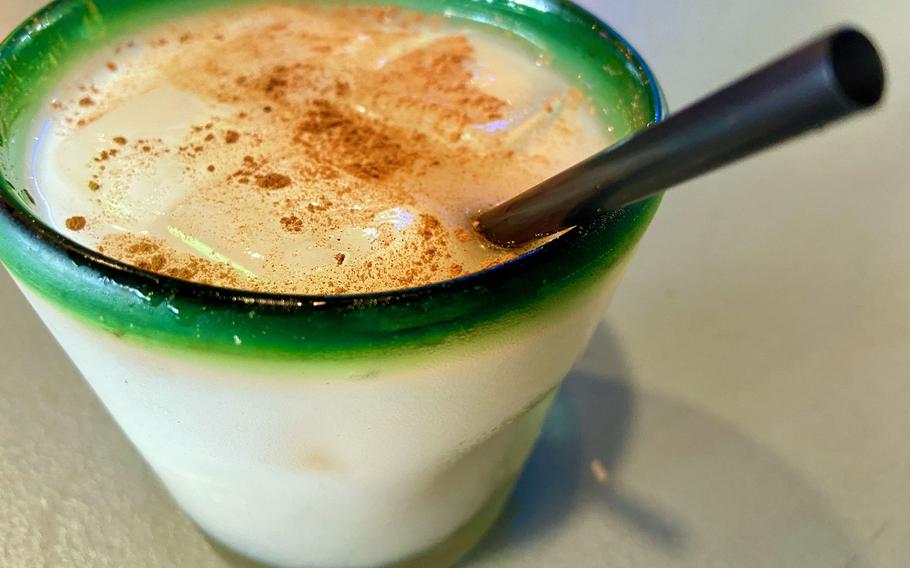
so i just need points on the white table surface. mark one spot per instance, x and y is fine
(748, 393)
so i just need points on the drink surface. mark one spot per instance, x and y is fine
(307, 150)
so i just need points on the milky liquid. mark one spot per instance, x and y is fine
(304, 149)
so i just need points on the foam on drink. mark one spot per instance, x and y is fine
(304, 149)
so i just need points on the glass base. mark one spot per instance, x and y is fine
(442, 555)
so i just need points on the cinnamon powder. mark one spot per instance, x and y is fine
(333, 147)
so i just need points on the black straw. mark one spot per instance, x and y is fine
(828, 79)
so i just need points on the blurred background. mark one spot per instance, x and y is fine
(745, 402)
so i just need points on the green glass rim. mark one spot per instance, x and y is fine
(551, 265)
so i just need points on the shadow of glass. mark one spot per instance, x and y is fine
(579, 449)
(635, 476)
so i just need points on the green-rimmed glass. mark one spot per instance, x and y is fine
(246, 401)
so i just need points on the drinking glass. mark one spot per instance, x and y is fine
(326, 431)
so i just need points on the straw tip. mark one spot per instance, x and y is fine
(858, 67)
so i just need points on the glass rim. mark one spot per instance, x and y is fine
(121, 272)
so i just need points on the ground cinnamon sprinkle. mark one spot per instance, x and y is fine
(442, 69)
(154, 255)
(157, 262)
(273, 181)
(359, 166)
(462, 235)
(363, 147)
(143, 246)
(76, 223)
(292, 224)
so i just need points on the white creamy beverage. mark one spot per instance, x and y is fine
(304, 149)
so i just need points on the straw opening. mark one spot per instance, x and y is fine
(857, 67)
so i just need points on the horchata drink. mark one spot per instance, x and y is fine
(249, 225)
